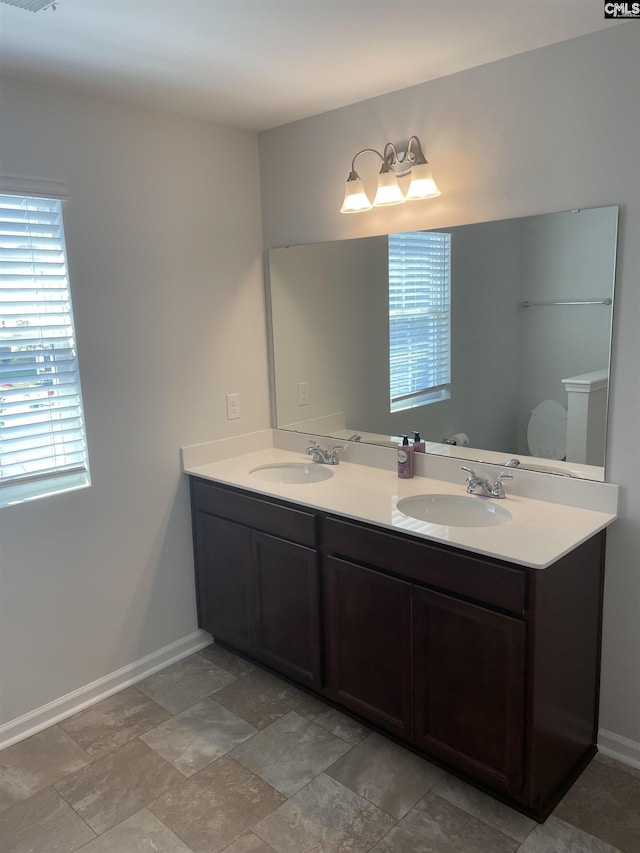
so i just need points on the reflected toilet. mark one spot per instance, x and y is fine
(547, 431)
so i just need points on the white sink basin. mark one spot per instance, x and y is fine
(292, 472)
(454, 510)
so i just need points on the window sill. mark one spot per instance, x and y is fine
(17, 493)
(421, 399)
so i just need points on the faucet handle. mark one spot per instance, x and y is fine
(332, 455)
(473, 479)
(498, 489)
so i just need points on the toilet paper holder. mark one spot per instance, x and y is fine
(459, 438)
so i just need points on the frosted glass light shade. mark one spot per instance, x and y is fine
(355, 198)
(389, 191)
(422, 184)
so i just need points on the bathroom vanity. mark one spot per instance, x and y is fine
(483, 664)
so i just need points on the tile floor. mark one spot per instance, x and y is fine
(213, 754)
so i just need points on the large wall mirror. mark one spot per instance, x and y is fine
(530, 304)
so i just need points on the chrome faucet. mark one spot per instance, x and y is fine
(475, 481)
(325, 457)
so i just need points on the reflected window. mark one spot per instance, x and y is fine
(419, 318)
(43, 446)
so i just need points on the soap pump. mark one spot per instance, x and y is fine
(418, 443)
(405, 459)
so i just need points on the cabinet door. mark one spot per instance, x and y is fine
(223, 579)
(368, 624)
(469, 677)
(287, 607)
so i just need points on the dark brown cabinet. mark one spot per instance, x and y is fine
(369, 644)
(469, 687)
(488, 668)
(258, 592)
(224, 579)
(287, 607)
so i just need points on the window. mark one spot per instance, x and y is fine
(43, 446)
(419, 318)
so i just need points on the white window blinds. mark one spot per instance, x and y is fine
(42, 434)
(419, 318)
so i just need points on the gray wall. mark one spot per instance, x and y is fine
(324, 301)
(166, 275)
(570, 251)
(553, 129)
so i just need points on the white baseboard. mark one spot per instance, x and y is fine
(45, 716)
(615, 746)
(618, 747)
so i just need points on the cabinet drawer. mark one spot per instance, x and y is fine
(451, 571)
(286, 522)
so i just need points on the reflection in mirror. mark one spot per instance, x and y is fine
(530, 317)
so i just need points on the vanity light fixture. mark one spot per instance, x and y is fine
(411, 162)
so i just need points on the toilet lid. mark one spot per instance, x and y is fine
(547, 431)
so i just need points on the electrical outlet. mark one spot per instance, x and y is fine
(233, 406)
(303, 394)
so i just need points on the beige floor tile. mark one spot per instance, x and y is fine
(42, 824)
(388, 775)
(139, 833)
(185, 683)
(216, 806)
(249, 843)
(198, 736)
(131, 794)
(324, 816)
(436, 826)
(332, 720)
(114, 721)
(226, 660)
(36, 763)
(619, 765)
(290, 752)
(605, 802)
(259, 698)
(117, 785)
(485, 808)
(556, 836)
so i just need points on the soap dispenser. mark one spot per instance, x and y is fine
(418, 443)
(405, 459)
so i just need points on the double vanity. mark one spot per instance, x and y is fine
(467, 628)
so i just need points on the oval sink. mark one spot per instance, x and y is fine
(292, 472)
(454, 510)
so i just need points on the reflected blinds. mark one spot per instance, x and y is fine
(41, 419)
(419, 318)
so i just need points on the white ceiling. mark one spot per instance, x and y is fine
(257, 64)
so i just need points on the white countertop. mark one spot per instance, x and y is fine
(539, 533)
